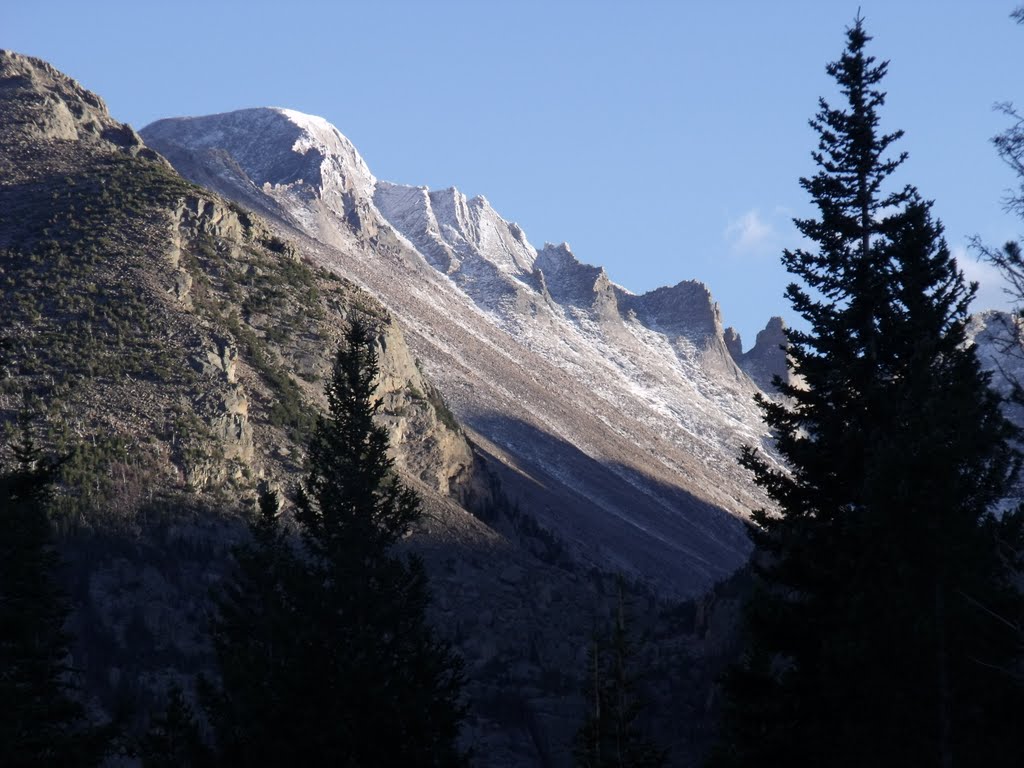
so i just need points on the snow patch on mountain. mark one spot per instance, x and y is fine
(321, 183)
(627, 409)
(337, 152)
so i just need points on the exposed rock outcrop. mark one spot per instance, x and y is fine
(45, 105)
(733, 343)
(425, 438)
(767, 358)
(322, 170)
(573, 384)
(574, 284)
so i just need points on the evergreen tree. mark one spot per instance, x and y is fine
(611, 735)
(883, 630)
(174, 739)
(41, 723)
(400, 685)
(257, 635)
(590, 743)
(326, 656)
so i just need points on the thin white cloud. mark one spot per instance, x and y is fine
(750, 233)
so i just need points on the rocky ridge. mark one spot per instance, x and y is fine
(173, 346)
(637, 409)
(766, 359)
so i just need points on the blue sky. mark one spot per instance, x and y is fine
(662, 140)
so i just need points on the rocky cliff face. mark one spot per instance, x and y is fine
(615, 418)
(174, 349)
(321, 181)
(44, 105)
(767, 358)
(230, 310)
(173, 345)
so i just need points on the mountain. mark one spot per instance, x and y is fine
(89, 208)
(171, 345)
(171, 338)
(614, 418)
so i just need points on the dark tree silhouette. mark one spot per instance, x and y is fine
(258, 636)
(41, 721)
(174, 738)
(611, 735)
(403, 683)
(327, 657)
(883, 627)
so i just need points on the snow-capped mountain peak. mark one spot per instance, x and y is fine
(617, 416)
(286, 162)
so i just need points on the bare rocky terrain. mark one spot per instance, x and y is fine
(614, 418)
(172, 345)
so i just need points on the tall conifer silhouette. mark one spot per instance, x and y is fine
(879, 635)
(327, 656)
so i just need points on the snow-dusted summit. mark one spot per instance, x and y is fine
(321, 178)
(615, 418)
